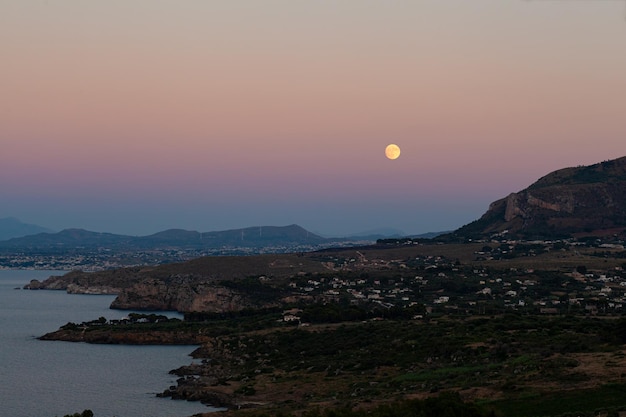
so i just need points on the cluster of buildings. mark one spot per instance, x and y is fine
(104, 258)
(439, 286)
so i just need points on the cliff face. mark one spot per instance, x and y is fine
(568, 202)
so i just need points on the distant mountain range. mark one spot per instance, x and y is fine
(255, 237)
(17, 235)
(11, 227)
(374, 234)
(570, 202)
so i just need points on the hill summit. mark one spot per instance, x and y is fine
(570, 202)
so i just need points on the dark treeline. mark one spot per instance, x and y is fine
(201, 316)
(318, 313)
(340, 312)
(444, 405)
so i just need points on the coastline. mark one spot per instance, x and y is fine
(201, 382)
(120, 380)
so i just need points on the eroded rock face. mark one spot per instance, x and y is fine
(589, 199)
(522, 205)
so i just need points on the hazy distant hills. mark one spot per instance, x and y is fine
(76, 238)
(248, 237)
(11, 227)
(380, 233)
(254, 237)
(571, 202)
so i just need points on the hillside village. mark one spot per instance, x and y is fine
(437, 285)
(501, 276)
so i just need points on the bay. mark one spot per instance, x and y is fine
(48, 379)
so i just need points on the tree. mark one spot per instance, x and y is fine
(85, 413)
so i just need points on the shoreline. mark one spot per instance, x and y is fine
(195, 382)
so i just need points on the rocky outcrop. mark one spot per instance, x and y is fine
(78, 282)
(34, 284)
(57, 283)
(211, 284)
(214, 381)
(568, 202)
(52, 283)
(523, 204)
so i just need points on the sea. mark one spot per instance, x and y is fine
(53, 379)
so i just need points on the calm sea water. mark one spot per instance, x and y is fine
(48, 379)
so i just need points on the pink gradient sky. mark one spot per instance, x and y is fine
(138, 116)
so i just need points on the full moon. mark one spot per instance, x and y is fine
(392, 151)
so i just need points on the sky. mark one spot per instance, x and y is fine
(139, 116)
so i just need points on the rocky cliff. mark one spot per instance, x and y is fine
(586, 200)
(212, 284)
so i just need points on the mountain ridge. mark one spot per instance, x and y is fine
(569, 202)
(250, 236)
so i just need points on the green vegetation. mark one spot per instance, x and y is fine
(525, 359)
(607, 399)
(358, 364)
(522, 328)
(444, 405)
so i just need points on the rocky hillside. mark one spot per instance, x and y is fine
(230, 283)
(217, 284)
(578, 201)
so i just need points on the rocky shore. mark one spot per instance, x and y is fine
(212, 381)
(217, 381)
(205, 383)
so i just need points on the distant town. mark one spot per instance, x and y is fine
(101, 259)
(426, 285)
